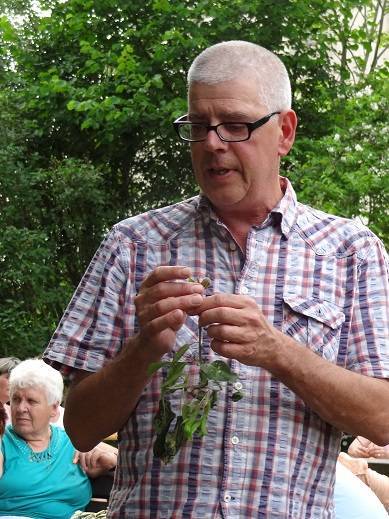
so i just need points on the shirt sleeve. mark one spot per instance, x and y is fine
(368, 340)
(91, 331)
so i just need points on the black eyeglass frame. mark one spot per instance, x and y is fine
(209, 127)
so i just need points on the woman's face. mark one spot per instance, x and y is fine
(4, 388)
(31, 413)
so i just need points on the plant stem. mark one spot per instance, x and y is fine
(200, 334)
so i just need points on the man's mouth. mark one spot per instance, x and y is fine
(218, 171)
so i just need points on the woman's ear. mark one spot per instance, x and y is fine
(288, 132)
(54, 415)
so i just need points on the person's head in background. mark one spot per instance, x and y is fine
(7, 364)
(36, 391)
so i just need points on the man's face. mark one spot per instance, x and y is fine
(30, 412)
(235, 176)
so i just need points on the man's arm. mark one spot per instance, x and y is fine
(350, 401)
(99, 404)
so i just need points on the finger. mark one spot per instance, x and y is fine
(230, 350)
(76, 457)
(169, 305)
(228, 333)
(173, 320)
(228, 301)
(166, 273)
(222, 315)
(81, 461)
(166, 289)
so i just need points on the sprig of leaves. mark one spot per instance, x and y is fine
(197, 400)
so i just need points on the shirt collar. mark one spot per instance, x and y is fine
(284, 214)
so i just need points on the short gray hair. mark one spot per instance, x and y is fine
(36, 373)
(7, 364)
(234, 59)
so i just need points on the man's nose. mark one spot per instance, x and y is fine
(213, 141)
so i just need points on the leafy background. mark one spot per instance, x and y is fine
(88, 90)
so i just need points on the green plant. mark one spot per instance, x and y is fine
(197, 400)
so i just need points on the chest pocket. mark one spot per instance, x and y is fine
(313, 322)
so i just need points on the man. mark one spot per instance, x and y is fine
(299, 305)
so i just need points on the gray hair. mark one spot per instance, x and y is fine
(7, 364)
(235, 59)
(36, 373)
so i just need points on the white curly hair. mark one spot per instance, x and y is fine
(36, 373)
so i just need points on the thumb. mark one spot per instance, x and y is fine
(76, 457)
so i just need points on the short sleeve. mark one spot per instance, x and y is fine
(368, 338)
(91, 330)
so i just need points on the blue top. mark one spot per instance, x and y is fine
(44, 485)
(355, 499)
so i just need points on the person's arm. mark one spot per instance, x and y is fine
(349, 401)
(98, 404)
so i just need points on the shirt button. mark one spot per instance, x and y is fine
(244, 290)
(233, 245)
(234, 440)
(227, 498)
(238, 386)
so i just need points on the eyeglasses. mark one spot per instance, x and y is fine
(228, 132)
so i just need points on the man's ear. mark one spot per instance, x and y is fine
(288, 132)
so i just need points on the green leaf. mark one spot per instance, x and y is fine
(180, 352)
(155, 366)
(219, 371)
(164, 417)
(175, 372)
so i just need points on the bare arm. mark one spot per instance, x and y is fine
(105, 400)
(351, 402)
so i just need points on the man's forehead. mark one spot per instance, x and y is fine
(238, 96)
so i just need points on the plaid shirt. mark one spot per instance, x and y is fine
(319, 278)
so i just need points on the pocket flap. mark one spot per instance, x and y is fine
(322, 311)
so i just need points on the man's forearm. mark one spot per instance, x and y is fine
(98, 404)
(353, 403)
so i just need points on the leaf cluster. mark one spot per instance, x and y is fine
(197, 400)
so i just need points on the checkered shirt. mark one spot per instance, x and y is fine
(321, 279)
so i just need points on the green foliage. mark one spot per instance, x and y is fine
(197, 401)
(88, 91)
(346, 171)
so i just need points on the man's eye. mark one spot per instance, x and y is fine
(234, 127)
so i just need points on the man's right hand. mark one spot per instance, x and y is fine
(164, 300)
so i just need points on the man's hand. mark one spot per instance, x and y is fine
(238, 329)
(162, 305)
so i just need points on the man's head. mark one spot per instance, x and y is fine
(239, 82)
(231, 60)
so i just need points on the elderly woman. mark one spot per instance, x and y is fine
(39, 476)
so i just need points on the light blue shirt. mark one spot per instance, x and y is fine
(46, 485)
(354, 499)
